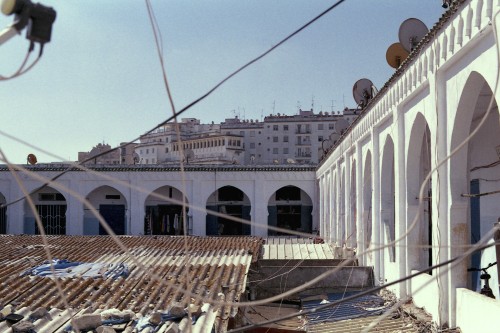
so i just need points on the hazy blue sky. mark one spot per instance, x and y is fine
(100, 80)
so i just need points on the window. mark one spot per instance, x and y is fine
(112, 196)
(50, 197)
(242, 133)
(153, 161)
(285, 150)
(285, 138)
(320, 127)
(147, 161)
(285, 127)
(166, 150)
(275, 127)
(153, 150)
(275, 139)
(252, 133)
(147, 151)
(320, 138)
(252, 145)
(275, 151)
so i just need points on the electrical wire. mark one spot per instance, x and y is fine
(106, 152)
(197, 100)
(362, 293)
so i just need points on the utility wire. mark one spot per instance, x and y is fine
(353, 297)
(190, 105)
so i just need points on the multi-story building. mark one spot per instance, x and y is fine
(278, 139)
(103, 153)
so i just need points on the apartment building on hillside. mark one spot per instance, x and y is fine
(278, 139)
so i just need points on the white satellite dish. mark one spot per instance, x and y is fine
(363, 91)
(411, 33)
(290, 161)
(395, 55)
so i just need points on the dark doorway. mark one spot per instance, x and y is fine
(114, 215)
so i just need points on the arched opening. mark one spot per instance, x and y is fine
(387, 200)
(3, 215)
(419, 212)
(474, 175)
(111, 205)
(290, 208)
(164, 214)
(333, 217)
(352, 239)
(341, 222)
(233, 203)
(367, 201)
(50, 206)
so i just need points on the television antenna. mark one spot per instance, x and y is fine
(411, 33)
(363, 91)
(395, 55)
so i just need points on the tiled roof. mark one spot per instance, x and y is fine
(209, 267)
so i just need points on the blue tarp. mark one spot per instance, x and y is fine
(68, 269)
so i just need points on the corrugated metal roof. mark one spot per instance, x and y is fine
(297, 248)
(209, 267)
(367, 305)
(388, 325)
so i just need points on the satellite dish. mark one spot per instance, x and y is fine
(395, 55)
(411, 33)
(290, 161)
(32, 159)
(362, 91)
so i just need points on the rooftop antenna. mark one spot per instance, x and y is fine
(363, 91)
(298, 105)
(332, 105)
(411, 33)
(312, 103)
(395, 55)
(274, 106)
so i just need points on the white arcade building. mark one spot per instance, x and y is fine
(415, 180)
(136, 199)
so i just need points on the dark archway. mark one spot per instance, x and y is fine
(112, 206)
(233, 203)
(51, 208)
(3, 215)
(290, 208)
(164, 216)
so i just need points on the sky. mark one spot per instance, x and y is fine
(100, 80)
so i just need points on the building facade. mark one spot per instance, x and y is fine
(414, 181)
(149, 200)
(278, 139)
